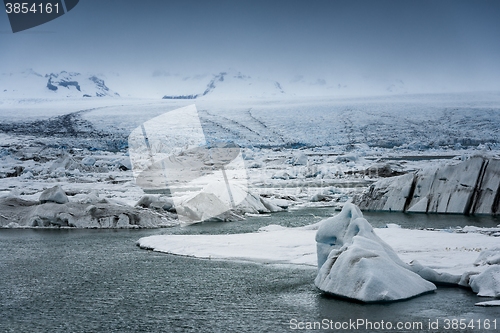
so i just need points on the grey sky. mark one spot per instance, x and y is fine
(436, 43)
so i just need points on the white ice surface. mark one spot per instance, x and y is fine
(444, 251)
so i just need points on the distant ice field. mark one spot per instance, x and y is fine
(294, 146)
(416, 122)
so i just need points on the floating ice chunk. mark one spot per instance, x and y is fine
(272, 227)
(202, 206)
(88, 161)
(299, 159)
(282, 203)
(54, 194)
(282, 174)
(65, 162)
(27, 175)
(487, 283)
(488, 303)
(272, 206)
(146, 201)
(318, 197)
(124, 163)
(431, 275)
(355, 263)
(346, 158)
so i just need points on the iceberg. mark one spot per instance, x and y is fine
(54, 194)
(486, 283)
(355, 263)
(470, 187)
(54, 210)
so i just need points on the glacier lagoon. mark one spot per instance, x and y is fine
(98, 280)
(85, 280)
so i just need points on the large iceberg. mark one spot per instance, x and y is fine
(355, 263)
(470, 187)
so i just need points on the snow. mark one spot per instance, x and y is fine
(355, 263)
(441, 250)
(273, 245)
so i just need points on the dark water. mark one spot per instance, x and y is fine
(305, 216)
(100, 281)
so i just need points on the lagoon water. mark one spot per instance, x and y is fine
(100, 281)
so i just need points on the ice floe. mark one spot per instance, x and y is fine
(440, 256)
(488, 303)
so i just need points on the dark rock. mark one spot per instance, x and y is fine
(18, 170)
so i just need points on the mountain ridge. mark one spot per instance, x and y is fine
(31, 84)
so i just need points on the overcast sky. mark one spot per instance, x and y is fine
(452, 44)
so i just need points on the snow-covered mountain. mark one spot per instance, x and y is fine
(229, 84)
(30, 84)
(222, 85)
(236, 85)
